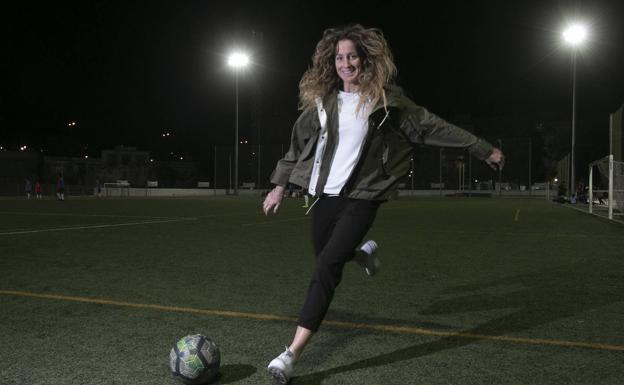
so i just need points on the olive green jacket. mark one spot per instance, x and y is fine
(393, 134)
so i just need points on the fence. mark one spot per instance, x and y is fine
(433, 168)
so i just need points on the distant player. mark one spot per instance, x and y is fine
(28, 188)
(306, 198)
(38, 190)
(350, 147)
(60, 187)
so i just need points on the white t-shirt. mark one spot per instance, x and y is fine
(352, 129)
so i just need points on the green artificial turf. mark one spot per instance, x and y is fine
(535, 287)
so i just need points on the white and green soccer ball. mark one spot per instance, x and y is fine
(195, 359)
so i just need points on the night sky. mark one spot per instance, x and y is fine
(128, 71)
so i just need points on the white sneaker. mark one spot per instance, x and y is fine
(366, 257)
(282, 367)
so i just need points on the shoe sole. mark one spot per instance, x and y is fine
(278, 376)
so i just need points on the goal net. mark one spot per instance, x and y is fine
(606, 187)
(121, 188)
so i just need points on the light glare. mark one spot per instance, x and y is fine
(238, 60)
(575, 34)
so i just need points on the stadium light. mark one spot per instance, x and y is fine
(238, 61)
(574, 35)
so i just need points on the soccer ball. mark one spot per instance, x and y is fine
(195, 359)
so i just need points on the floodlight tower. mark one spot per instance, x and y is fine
(238, 61)
(574, 35)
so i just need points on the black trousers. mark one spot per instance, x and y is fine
(339, 225)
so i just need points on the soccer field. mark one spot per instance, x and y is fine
(471, 291)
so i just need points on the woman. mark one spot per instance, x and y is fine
(350, 147)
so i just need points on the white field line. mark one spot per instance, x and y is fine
(93, 226)
(85, 215)
(243, 213)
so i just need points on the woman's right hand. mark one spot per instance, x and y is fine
(273, 200)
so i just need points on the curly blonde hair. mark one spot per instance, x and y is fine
(377, 69)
